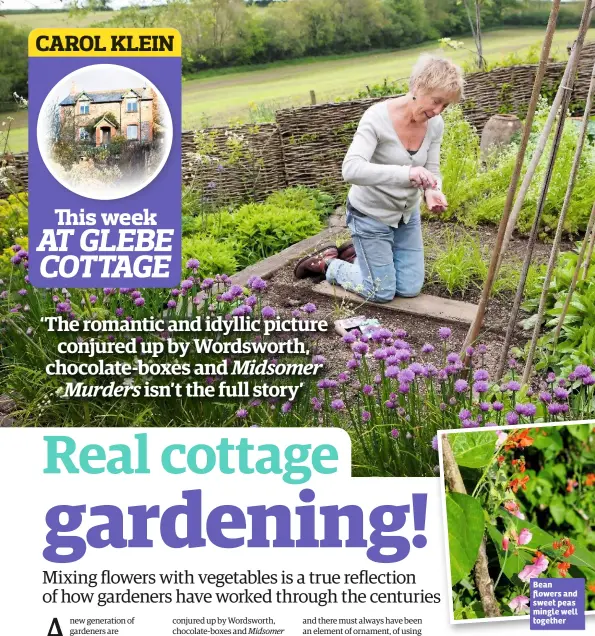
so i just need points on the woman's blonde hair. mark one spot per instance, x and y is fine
(432, 73)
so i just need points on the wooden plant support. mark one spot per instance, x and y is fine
(567, 88)
(558, 237)
(575, 276)
(589, 254)
(485, 585)
(491, 274)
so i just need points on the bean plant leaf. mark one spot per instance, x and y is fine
(473, 450)
(558, 509)
(580, 431)
(465, 531)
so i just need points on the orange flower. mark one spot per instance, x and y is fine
(515, 484)
(591, 587)
(590, 479)
(571, 485)
(519, 464)
(538, 554)
(564, 544)
(563, 568)
(519, 439)
(500, 459)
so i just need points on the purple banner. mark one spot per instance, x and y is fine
(557, 603)
(105, 171)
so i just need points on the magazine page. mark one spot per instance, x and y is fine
(296, 317)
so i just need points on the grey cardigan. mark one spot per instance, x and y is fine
(377, 165)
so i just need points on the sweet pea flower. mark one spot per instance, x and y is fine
(525, 536)
(505, 543)
(513, 508)
(533, 570)
(519, 604)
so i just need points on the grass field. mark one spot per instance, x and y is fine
(216, 99)
(57, 19)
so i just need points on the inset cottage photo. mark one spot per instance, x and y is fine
(104, 131)
(519, 504)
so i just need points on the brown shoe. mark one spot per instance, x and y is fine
(315, 264)
(347, 251)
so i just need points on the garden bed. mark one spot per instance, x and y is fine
(286, 292)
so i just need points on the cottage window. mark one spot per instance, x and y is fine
(132, 132)
(84, 109)
(131, 105)
(84, 134)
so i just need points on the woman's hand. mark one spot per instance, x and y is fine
(435, 200)
(422, 178)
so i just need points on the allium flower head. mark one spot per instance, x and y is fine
(268, 312)
(461, 386)
(395, 433)
(435, 442)
(427, 348)
(481, 375)
(582, 370)
(241, 413)
(309, 308)
(360, 347)
(193, 263)
(337, 405)
(512, 418)
(366, 416)
(444, 333)
(513, 385)
(480, 387)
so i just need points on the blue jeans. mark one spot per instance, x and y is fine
(389, 263)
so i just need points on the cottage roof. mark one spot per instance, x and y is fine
(107, 97)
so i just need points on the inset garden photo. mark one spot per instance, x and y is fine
(519, 503)
(104, 131)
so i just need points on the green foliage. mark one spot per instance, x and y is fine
(13, 65)
(474, 451)
(215, 256)
(465, 531)
(253, 231)
(576, 344)
(13, 219)
(476, 195)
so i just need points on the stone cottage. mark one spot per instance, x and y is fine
(99, 116)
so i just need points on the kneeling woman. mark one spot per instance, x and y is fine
(394, 156)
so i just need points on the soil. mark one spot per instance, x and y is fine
(285, 291)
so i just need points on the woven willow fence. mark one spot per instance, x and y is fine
(306, 145)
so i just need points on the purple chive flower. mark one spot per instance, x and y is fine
(482, 349)
(389, 404)
(92, 299)
(427, 348)
(545, 397)
(377, 379)
(453, 358)
(392, 371)
(62, 308)
(470, 351)
(589, 380)
(497, 406)
(465, 414)
(444, 333)
(349, 338)
(400, 333)
(241, 413)
(207, 283)
(318, 359)
(381, 334)
(4, 296)
(554, 408)
(461, 386)
(400, 345)
(469, 424)
(484, 406)
(512, 363)
(512, 418)
(442, 375)
(431, 371)
(22, 292)
(135, 294)
(480, 387)
(268, 312)
(316, 404)
(406, 375)
(416, 368)
(435, 442)
(242, 310)
(403, 355)
(404, 387)
(560, 393)
(562, 382)
(251, 301)
(380, 354)
(337, 405)
(193, 263)
(395, 433)
(286, 407)
(360, 347)
(481, 375)
(343, 377)
(119, 312)
(353, 364)
(551, 377)
(256, 283)
(582, 370)
(326, 383)
(367, 389)
(139, 302)
(366, 416)
(309, 308)
(564, 408)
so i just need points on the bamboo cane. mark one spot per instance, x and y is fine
(567, 87)
(575, 276)
(477, 323)
(589, 254)
(558, 237)
(485, 585)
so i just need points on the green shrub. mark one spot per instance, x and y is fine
(303, 198)
(13, 219)
(263, 230)
(215, 256)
